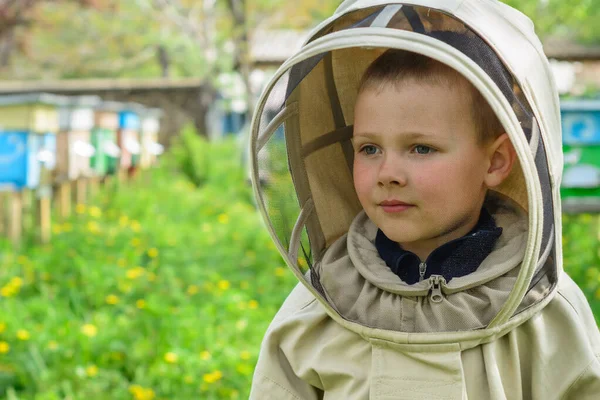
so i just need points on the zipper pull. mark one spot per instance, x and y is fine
(422, 270)
(436, 288)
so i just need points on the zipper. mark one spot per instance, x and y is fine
(422, 270)
(436, 295)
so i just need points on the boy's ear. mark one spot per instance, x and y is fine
(502, 156)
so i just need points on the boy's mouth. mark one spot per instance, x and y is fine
(394, 206)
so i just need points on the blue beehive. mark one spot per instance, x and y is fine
(129, 134)
(28, 125)
(581, 145)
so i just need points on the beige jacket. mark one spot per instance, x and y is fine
(518, 327)
(554, 354)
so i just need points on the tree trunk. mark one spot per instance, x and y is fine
(198, 107)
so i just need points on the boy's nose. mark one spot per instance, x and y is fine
(391, 173)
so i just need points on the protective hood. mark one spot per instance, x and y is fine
(301, 150)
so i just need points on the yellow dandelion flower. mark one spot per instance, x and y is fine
(205, 355)
(16, 281)
(135, 226)
(141, 393)
(253, 304)
(123, 221)
(53, 345)
(223, 219)
(135, 242)
(23, 334)
(135, 273)
(280, 271)
(192, 290)
(302, 263)
(245, 355)
(91, 370)
(223, 284)
(4, 347)
(56, 229)
(112, 299)
(2, 326)
(188, 379)
(171, 357)
(80, 208)
(212, 377)
(89, 330)
(141, 304)
(93, 227)
(95, 212)
(153, 252)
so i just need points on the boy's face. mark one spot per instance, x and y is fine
(417, 144)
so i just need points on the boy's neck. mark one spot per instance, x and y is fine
(424, 248)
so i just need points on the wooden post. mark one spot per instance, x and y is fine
(64, 199)
(121, 175)
(16, 218)
(45, 219)
(81, 191)
(27, 206)
(94, 186)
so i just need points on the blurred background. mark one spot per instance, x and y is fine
(133, 262)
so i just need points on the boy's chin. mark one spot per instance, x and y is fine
(402, 237)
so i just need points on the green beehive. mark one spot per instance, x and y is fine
(105, 160)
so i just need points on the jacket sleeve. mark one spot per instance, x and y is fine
(587, 385)
(277, 375)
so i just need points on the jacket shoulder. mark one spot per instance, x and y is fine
(298, 299)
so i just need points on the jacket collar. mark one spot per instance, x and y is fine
(456, 258)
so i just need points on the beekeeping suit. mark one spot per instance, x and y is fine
(517, 327)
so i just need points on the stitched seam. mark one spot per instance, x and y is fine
(281, 387)
(576, 381)
(568, 301)
(306, 305)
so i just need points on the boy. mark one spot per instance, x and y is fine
(438, 289)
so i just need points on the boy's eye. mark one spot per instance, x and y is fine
(421, 149)
(369, 150)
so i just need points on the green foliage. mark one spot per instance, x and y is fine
(213, 166)
(581, 248)
(570, 18)
(161, 290)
